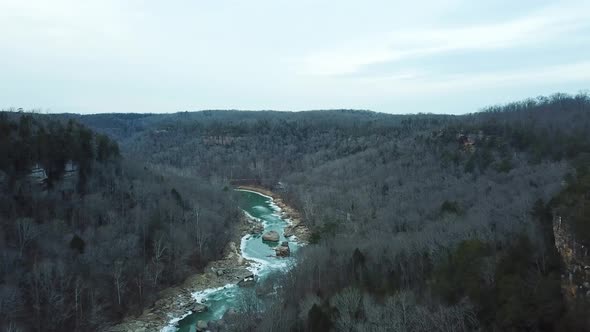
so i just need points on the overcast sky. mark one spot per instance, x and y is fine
(413, 56)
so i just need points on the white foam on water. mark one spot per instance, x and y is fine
(255, 192)
(277, 212)
(171, 327)
(261, 208)
(274, 206)
(261, 267)
(200, 295)
(260, 220)
(258, 264)
(270, 200)
(258, 267)
(251, 217)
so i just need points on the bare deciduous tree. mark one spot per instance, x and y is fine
(26, 231)
(119, 279)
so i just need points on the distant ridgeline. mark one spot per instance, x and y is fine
(418, 222)
(47, 150)
(441, 222)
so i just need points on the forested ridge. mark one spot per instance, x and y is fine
(419, 222)
(88, 236)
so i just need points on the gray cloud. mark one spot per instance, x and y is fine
(153, 56)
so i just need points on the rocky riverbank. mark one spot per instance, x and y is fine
(178, 301)
(296, 227)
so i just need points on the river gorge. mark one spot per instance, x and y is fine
(259, 208)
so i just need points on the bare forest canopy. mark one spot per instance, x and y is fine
(419, 222)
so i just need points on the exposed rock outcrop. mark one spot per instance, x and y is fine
(248, 281)
(289, 231)
(198, 308)
(271, 236)
(283, 250)
(298, 230)
(256, 228)
(576, 278)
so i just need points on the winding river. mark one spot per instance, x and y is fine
(219, 300)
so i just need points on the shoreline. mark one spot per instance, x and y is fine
(292, 216)
(176, 302)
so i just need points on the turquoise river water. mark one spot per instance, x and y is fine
(219, 300)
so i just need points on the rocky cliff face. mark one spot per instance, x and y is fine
(40, 176)
(576, 273)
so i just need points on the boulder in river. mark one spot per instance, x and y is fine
(271, 236)
(283, 250)
(199, 307)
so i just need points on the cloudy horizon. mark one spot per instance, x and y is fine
(453, 56)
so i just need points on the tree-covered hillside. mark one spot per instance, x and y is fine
(419, 222)
(441, 222)
(88, 236)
